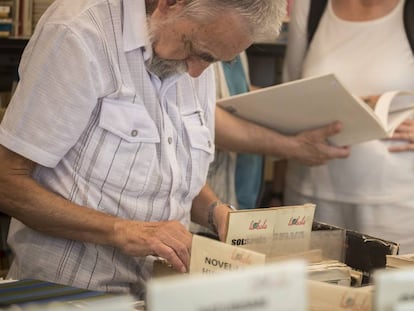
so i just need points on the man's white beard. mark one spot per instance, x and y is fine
(163, 68)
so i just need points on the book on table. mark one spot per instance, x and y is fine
(38, 295)
(320, 100)
(362, 252)
(400, 261)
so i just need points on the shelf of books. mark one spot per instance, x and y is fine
(6, 20)
(18, 18)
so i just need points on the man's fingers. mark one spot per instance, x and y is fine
(173, 243)
(174, 251)
(166, 252)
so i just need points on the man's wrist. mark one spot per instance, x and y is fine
(210, 216)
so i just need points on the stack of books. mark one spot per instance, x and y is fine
(41, 295)
(400, 261)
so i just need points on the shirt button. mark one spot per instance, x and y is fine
(170, 140)
(209, 144)
(134, 133)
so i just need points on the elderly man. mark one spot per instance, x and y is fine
(106, 144)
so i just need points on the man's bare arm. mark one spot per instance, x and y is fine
(24, 199)
(308, 147)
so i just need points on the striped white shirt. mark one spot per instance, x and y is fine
(106, 134)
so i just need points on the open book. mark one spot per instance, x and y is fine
(316, 101)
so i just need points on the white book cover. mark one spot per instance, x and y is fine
(320, 100)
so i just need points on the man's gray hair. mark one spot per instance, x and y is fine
(263, 17)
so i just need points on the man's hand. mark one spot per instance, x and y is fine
(169, 240)
(24, 199)
(313, 148)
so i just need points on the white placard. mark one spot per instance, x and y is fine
(267, 229)
(273, 287)
(393, 287)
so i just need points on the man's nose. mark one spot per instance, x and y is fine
(195, 67)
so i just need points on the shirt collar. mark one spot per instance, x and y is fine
(135, 30)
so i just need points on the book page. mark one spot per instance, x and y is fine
(393, 108)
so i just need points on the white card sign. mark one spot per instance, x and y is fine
(272, 287)
(393, 289)
(260, 229)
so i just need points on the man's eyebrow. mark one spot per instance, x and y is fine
(206, 57)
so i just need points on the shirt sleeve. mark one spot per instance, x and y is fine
(55, 97)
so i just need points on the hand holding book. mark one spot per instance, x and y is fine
(309, 103)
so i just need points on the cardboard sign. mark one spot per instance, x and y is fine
(332, 297)
(282, 229)
(209, 256)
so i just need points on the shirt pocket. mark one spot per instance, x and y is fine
(201, 149)
(129, 121)
(128, 156)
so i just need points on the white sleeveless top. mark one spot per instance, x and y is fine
(369, 57)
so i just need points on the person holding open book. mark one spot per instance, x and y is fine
(365, 44)
(236, 174)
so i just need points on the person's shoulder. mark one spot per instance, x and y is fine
(71, 13)
(300, 8)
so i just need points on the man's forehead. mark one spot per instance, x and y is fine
(220, 39)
